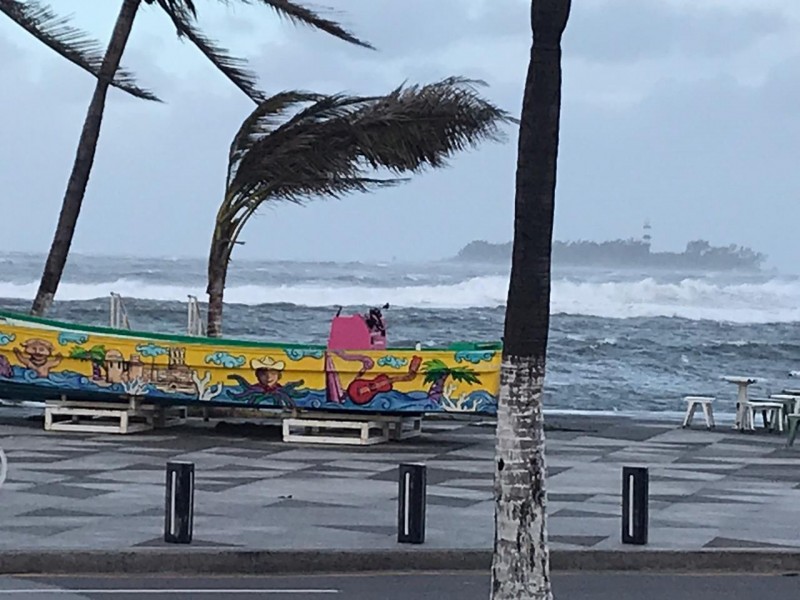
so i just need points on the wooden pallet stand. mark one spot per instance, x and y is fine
(402, 428)
(169, 416)
(350, 430)
(367, 432)
(109, 417)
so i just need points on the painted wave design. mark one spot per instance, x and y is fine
(478, 401)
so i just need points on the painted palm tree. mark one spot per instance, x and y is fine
(56, 32)
(95, 354)
(297, 146)
(437, 373)
(521, 563)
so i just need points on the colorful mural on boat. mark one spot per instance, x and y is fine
(48, 359)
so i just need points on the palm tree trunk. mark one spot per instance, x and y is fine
(218, 258)
(82, 167)
(521, 563)
(436, 391)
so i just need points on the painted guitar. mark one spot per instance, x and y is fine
(362, 391)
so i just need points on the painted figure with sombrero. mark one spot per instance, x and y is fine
(268, 372)
(268, 387)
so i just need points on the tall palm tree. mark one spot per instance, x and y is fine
(56, 32)
(521, 563)
(296, 146)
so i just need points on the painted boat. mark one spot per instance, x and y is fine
(42, 359)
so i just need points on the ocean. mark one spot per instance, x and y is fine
(621, 341)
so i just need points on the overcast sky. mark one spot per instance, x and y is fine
(683, 112)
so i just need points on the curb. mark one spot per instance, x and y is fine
(273, 562)
(741, 561)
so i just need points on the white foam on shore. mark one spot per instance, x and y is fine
(766, 302)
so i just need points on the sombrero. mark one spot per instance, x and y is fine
(267, 362)
(38, 341)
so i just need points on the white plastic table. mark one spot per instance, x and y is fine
(741, 396)
(795, 393)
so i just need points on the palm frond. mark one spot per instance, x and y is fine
(435, 364)
(463, 375)
(310, 109)
(297, 146)
(339, 139)
(57, 33)
(302, 15)
(182, 14)
(264, 119)
(430, 377)
(416, 127)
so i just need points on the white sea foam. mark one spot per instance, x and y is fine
(476, 292)
(692, 298)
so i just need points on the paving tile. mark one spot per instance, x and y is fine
(582, 514)
(449, 501)
(37, 530)
(569, 497)
(195, 543)
(584, 541)
(66, 491)
(721, 542)
(376, 529)
(304, 504)
(59, 513)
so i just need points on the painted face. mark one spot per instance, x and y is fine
(268, 377)
(38, 351)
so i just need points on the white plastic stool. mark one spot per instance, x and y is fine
(772, 412)
(705, 403)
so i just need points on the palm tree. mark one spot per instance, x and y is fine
(521, 563)
(437, 373)
(298, 145)
(96, 354)
(72, 44)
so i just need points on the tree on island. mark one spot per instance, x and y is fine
(297, 146)
(521, 562)
(56, 32)
(699, 254)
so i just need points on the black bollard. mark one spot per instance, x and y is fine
(179, 517)
(635, 492)
(411, 504)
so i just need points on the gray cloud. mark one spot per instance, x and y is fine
(632, 30)
(702, 154)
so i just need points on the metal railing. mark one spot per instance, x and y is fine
(195, 324)
(119, 316)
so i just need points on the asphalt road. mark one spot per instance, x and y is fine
(438, 586)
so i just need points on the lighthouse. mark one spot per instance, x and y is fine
(646, 238)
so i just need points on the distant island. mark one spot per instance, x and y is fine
(699, 254)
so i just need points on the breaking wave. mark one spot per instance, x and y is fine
(691, 298)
